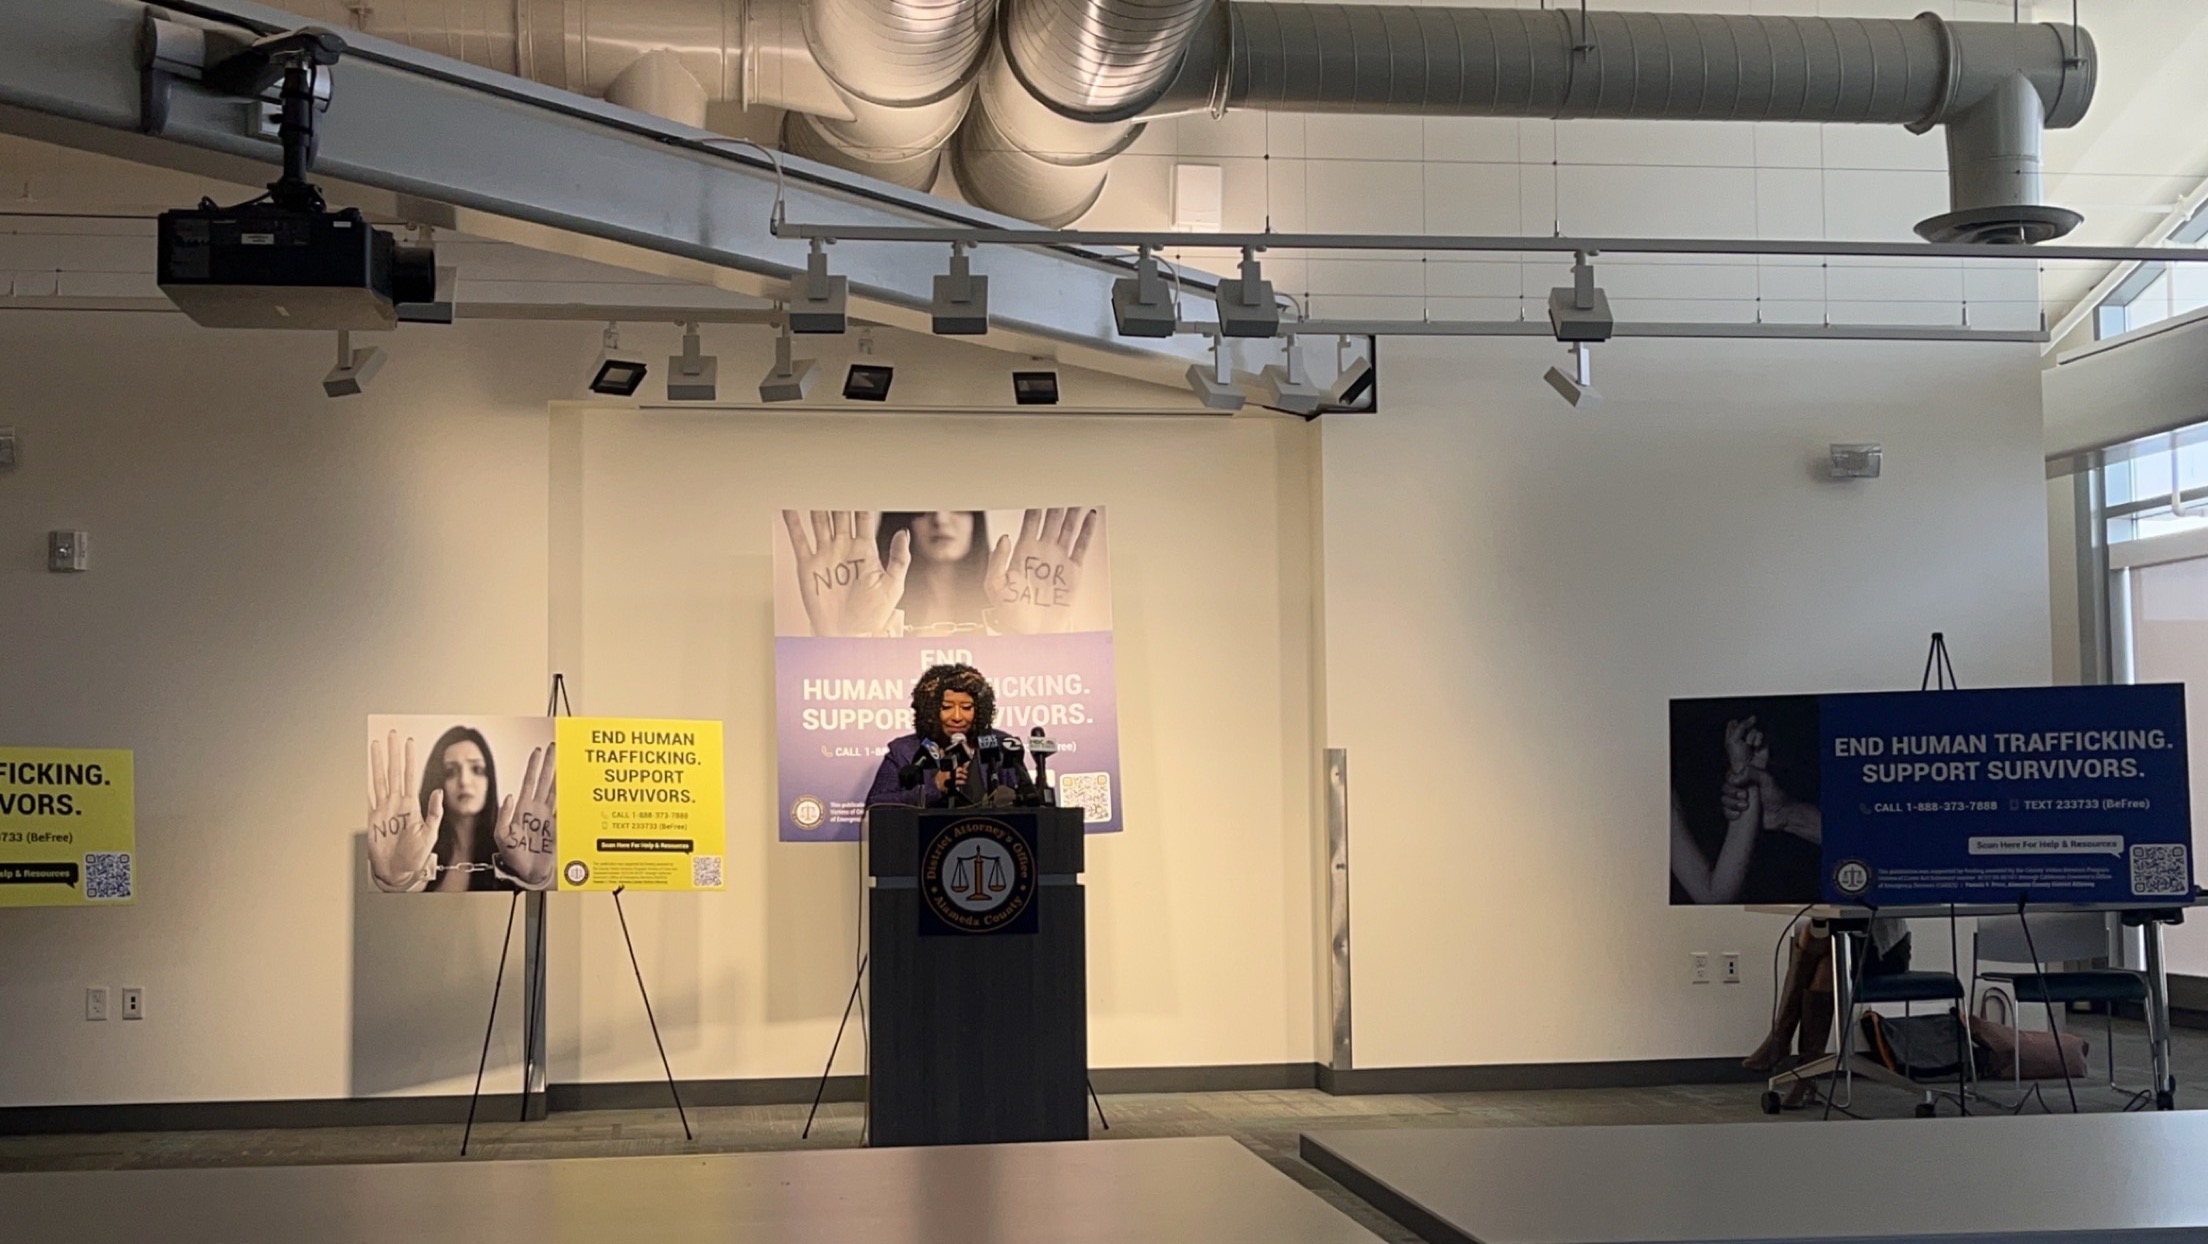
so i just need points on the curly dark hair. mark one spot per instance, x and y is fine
(927, 699)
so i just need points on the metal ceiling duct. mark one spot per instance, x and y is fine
(906, 67)
(1995, 85)
(880, 86)
(899, 72)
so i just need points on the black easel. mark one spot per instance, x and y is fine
(557, 705)
(649, 1018)
(505, 948)
(1939, 672)
(1939, 675)
(821, 1089)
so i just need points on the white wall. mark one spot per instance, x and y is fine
(1514, 590)
(1511, 591)
(1200, 931)
(267, 568)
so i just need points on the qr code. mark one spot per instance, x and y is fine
(1091, 792)
(2160, 868)
(107, 875)
(705, 872)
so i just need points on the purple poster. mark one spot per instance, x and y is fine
(866, 600)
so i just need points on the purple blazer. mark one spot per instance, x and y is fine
(903, 751)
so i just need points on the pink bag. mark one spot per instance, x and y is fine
(2011, 1054)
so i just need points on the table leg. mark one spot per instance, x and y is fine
(1843, 1009)
(2158, 1016)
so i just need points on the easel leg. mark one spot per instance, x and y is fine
(822, 1090)
(1099, 1103)
(505, 948)
(668, 1067)
(534, 969)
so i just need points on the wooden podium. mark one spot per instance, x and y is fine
(979, 976)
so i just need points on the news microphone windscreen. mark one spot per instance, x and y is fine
(1036, 733)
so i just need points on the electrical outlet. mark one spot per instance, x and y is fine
(1701, 967)
(95, 1002)
(134, 1002)
(1730, 961)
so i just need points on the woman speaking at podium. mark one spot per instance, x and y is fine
(950, 704)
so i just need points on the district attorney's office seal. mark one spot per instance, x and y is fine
(808, 812)
(1852, 877)
(978, 875)
(577, 872)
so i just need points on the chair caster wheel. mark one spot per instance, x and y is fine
(1770, 1102)
(1926, 1110)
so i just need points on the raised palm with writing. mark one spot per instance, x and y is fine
(526, 827)
(1034, 581)
(402, 838)
(847, 587)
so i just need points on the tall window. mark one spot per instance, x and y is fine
(2155, 292)
(2157, 486)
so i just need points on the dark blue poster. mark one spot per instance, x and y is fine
(1915, 798)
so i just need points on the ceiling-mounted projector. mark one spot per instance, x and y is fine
(284, 260)
(265, 266)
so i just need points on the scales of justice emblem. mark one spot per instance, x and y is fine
(979, 875)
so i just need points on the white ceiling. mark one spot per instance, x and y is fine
(2137, 153)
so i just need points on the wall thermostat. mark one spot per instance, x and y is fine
(1857, 461)
(67, 551)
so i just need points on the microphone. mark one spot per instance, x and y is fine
(1042, 749)
(1015, 759)
(988, 755)
(916, 773)
(953, 756)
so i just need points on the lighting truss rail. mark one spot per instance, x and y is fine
(1158, 240)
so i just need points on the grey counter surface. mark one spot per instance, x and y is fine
(1207, 1190)
(2047, 1179)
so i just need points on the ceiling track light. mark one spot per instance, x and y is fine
(1581, 311)
(1354, 379)
(789, 380)
(1283, 386)
(1215, 385)
(961, 306)
(819, 302)
(692, 376)
(1035, 388)
(355, 368)
(1576, 386)
(868, 382)
(1579, 315)
(617, 373)
(1142, 304)
(1246, 304)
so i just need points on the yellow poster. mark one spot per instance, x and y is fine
(641, 804)
(68, 828)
